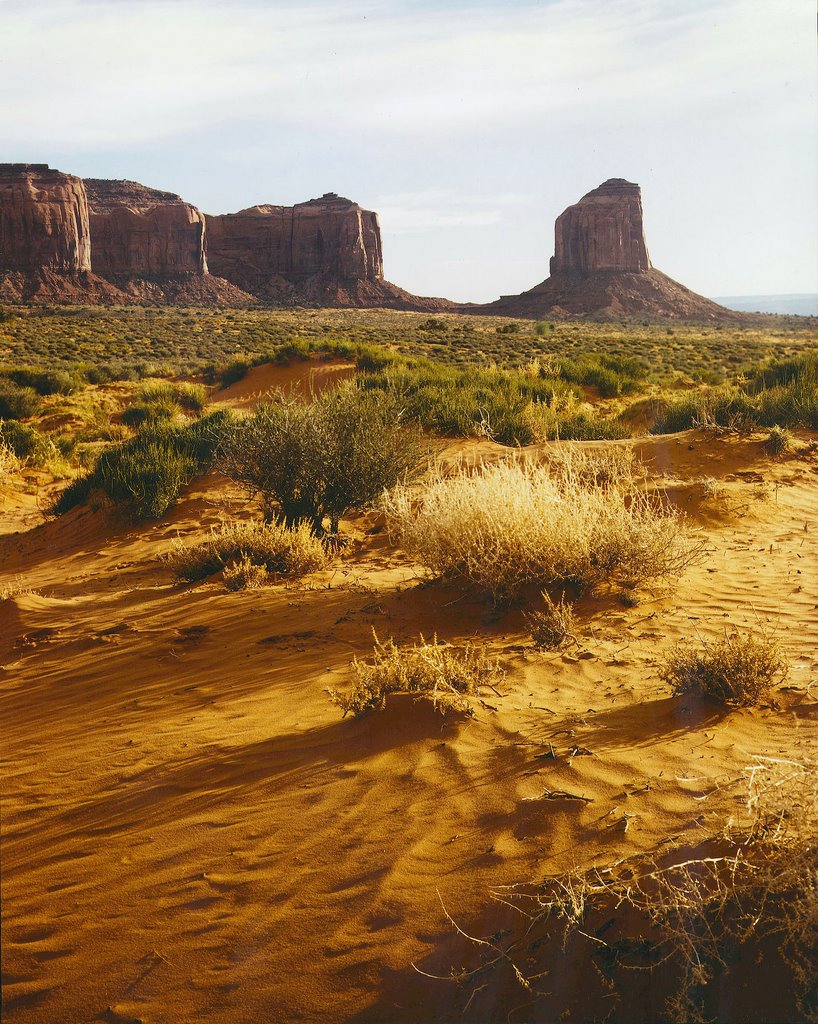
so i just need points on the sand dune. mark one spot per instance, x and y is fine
(191, 832)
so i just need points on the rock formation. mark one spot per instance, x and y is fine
(329, 237)
(62, 240)
(325, 252)
(603, 231)
(43, 221)
(140, 232)
(601, 267)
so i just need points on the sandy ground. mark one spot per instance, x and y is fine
(191, 832)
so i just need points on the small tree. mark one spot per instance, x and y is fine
(311, 462)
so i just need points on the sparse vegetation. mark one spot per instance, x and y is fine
(747, 901)
(507, 525)
(243, 548)
(446, 675)
(740, 669)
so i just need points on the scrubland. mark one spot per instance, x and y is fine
(364, 666)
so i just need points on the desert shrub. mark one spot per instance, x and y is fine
(515, 523)
(433, 324)
(9, 461)
(245, 575)
(16, 402)
(779, 441)
(44, 382)
(435, 671)
(783, 393)
(278, 549)
(610, 375)
(26, 442)
(552, 627)
(191, 397)
(563, 421)
(473, 401)
(315, 462)
(740, 669)
(782, 373)
(146, 473)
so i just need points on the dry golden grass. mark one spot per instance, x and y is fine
(740, 669)
(436, 671)
(503, 526)
(751, 899)
(552, 627)
(275, 548)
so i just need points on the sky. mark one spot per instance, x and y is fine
(469, 125)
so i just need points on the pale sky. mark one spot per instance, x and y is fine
(469, 125)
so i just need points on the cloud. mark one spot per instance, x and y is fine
(414, 212)
(92, 73)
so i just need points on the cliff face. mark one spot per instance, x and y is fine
(44, 223)
(264, 246)
(603, 231)
(140, 232)
(600, 267)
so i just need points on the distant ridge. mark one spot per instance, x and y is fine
(793, 304)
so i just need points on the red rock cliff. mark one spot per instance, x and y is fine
(330, 237)
(603, 231)
(43, 220)
(140, 232)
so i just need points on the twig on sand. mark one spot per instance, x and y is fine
(560, 794)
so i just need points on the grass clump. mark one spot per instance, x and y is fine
(552, 627)
(741, 669)
(243, 549)
(779, 441)
(315, 462)
(147, 472)
(245, 575)
(435, 671)
(507, 525)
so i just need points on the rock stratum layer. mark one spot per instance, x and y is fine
(603, 231)
(601, 267)
(141, 232)
(44, 221)
(65, 240)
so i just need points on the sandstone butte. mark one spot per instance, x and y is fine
(63, 239)
(601, 267)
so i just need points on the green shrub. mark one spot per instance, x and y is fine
(435, 671)
(44, 382)
(147, 472)
(315, 462)
(17, 403)
(26, 442)
(192, 397)
(740, 669)
(234, 371)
